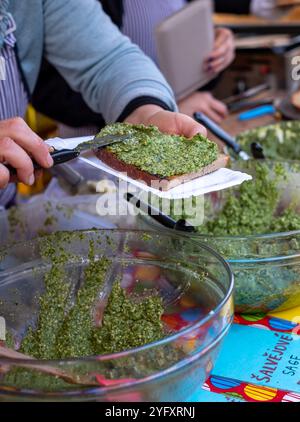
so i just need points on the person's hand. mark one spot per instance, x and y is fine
(205, 103)
(267, 9)
(223, 53)
(18, 143)
(166, 121)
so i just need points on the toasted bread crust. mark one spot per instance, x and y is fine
(161, 183)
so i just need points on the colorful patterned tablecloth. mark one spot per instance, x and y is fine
(259, 361)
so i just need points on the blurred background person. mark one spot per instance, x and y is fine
(137, 19)
(94, 58)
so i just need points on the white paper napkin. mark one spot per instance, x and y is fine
(221, 179)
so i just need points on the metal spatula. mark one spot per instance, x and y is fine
(65, 155)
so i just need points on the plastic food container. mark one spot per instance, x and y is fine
(266, 267)
(196, 285)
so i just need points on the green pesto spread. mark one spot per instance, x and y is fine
(280, 141)
(65, 326)
(128, 324)
(17, 226)
(161, 154)
(253, 209)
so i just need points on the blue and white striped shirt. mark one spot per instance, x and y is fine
(139, 21)
(141, 18)
(13, 96)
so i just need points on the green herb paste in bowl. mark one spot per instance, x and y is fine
(256, 228)
(111, 315)
(279, 141)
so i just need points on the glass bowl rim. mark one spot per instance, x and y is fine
(253, 236)
(267, 236)
(204, 238)
(168, 339)
(93, 391)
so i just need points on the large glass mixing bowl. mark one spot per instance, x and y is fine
(266, 267)
(196, 287)
(280, 141)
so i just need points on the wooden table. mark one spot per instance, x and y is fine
(234, 126)
(288, 24)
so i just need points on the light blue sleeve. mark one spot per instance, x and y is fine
(97, 60)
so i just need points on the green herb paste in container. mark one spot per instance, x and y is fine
(256, 228)
(111, 315)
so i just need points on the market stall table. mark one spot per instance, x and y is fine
(259, 361)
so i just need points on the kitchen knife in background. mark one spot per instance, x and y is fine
(249, 93)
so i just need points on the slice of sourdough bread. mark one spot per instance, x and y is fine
(156, 182)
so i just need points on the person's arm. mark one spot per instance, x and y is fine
(114, 9)
(112, 74)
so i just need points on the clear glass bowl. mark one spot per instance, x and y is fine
(196, 285)
(266, 267)
(44, 215)
(280, 141)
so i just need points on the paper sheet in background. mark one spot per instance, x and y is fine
(219, 180)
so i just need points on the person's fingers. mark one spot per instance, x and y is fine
(213, 108)
(224, 46)
(224, 52)
(218, 65)
(188, 127)
(4, 176)
(219, 52)
(176, 123)
(20, 132)
(213, 70)
(219, 107)
(213, 115)
(223, 36)
(11, 153)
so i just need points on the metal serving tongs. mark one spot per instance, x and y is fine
(161, 218)
(65, 155)
(230, 141)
